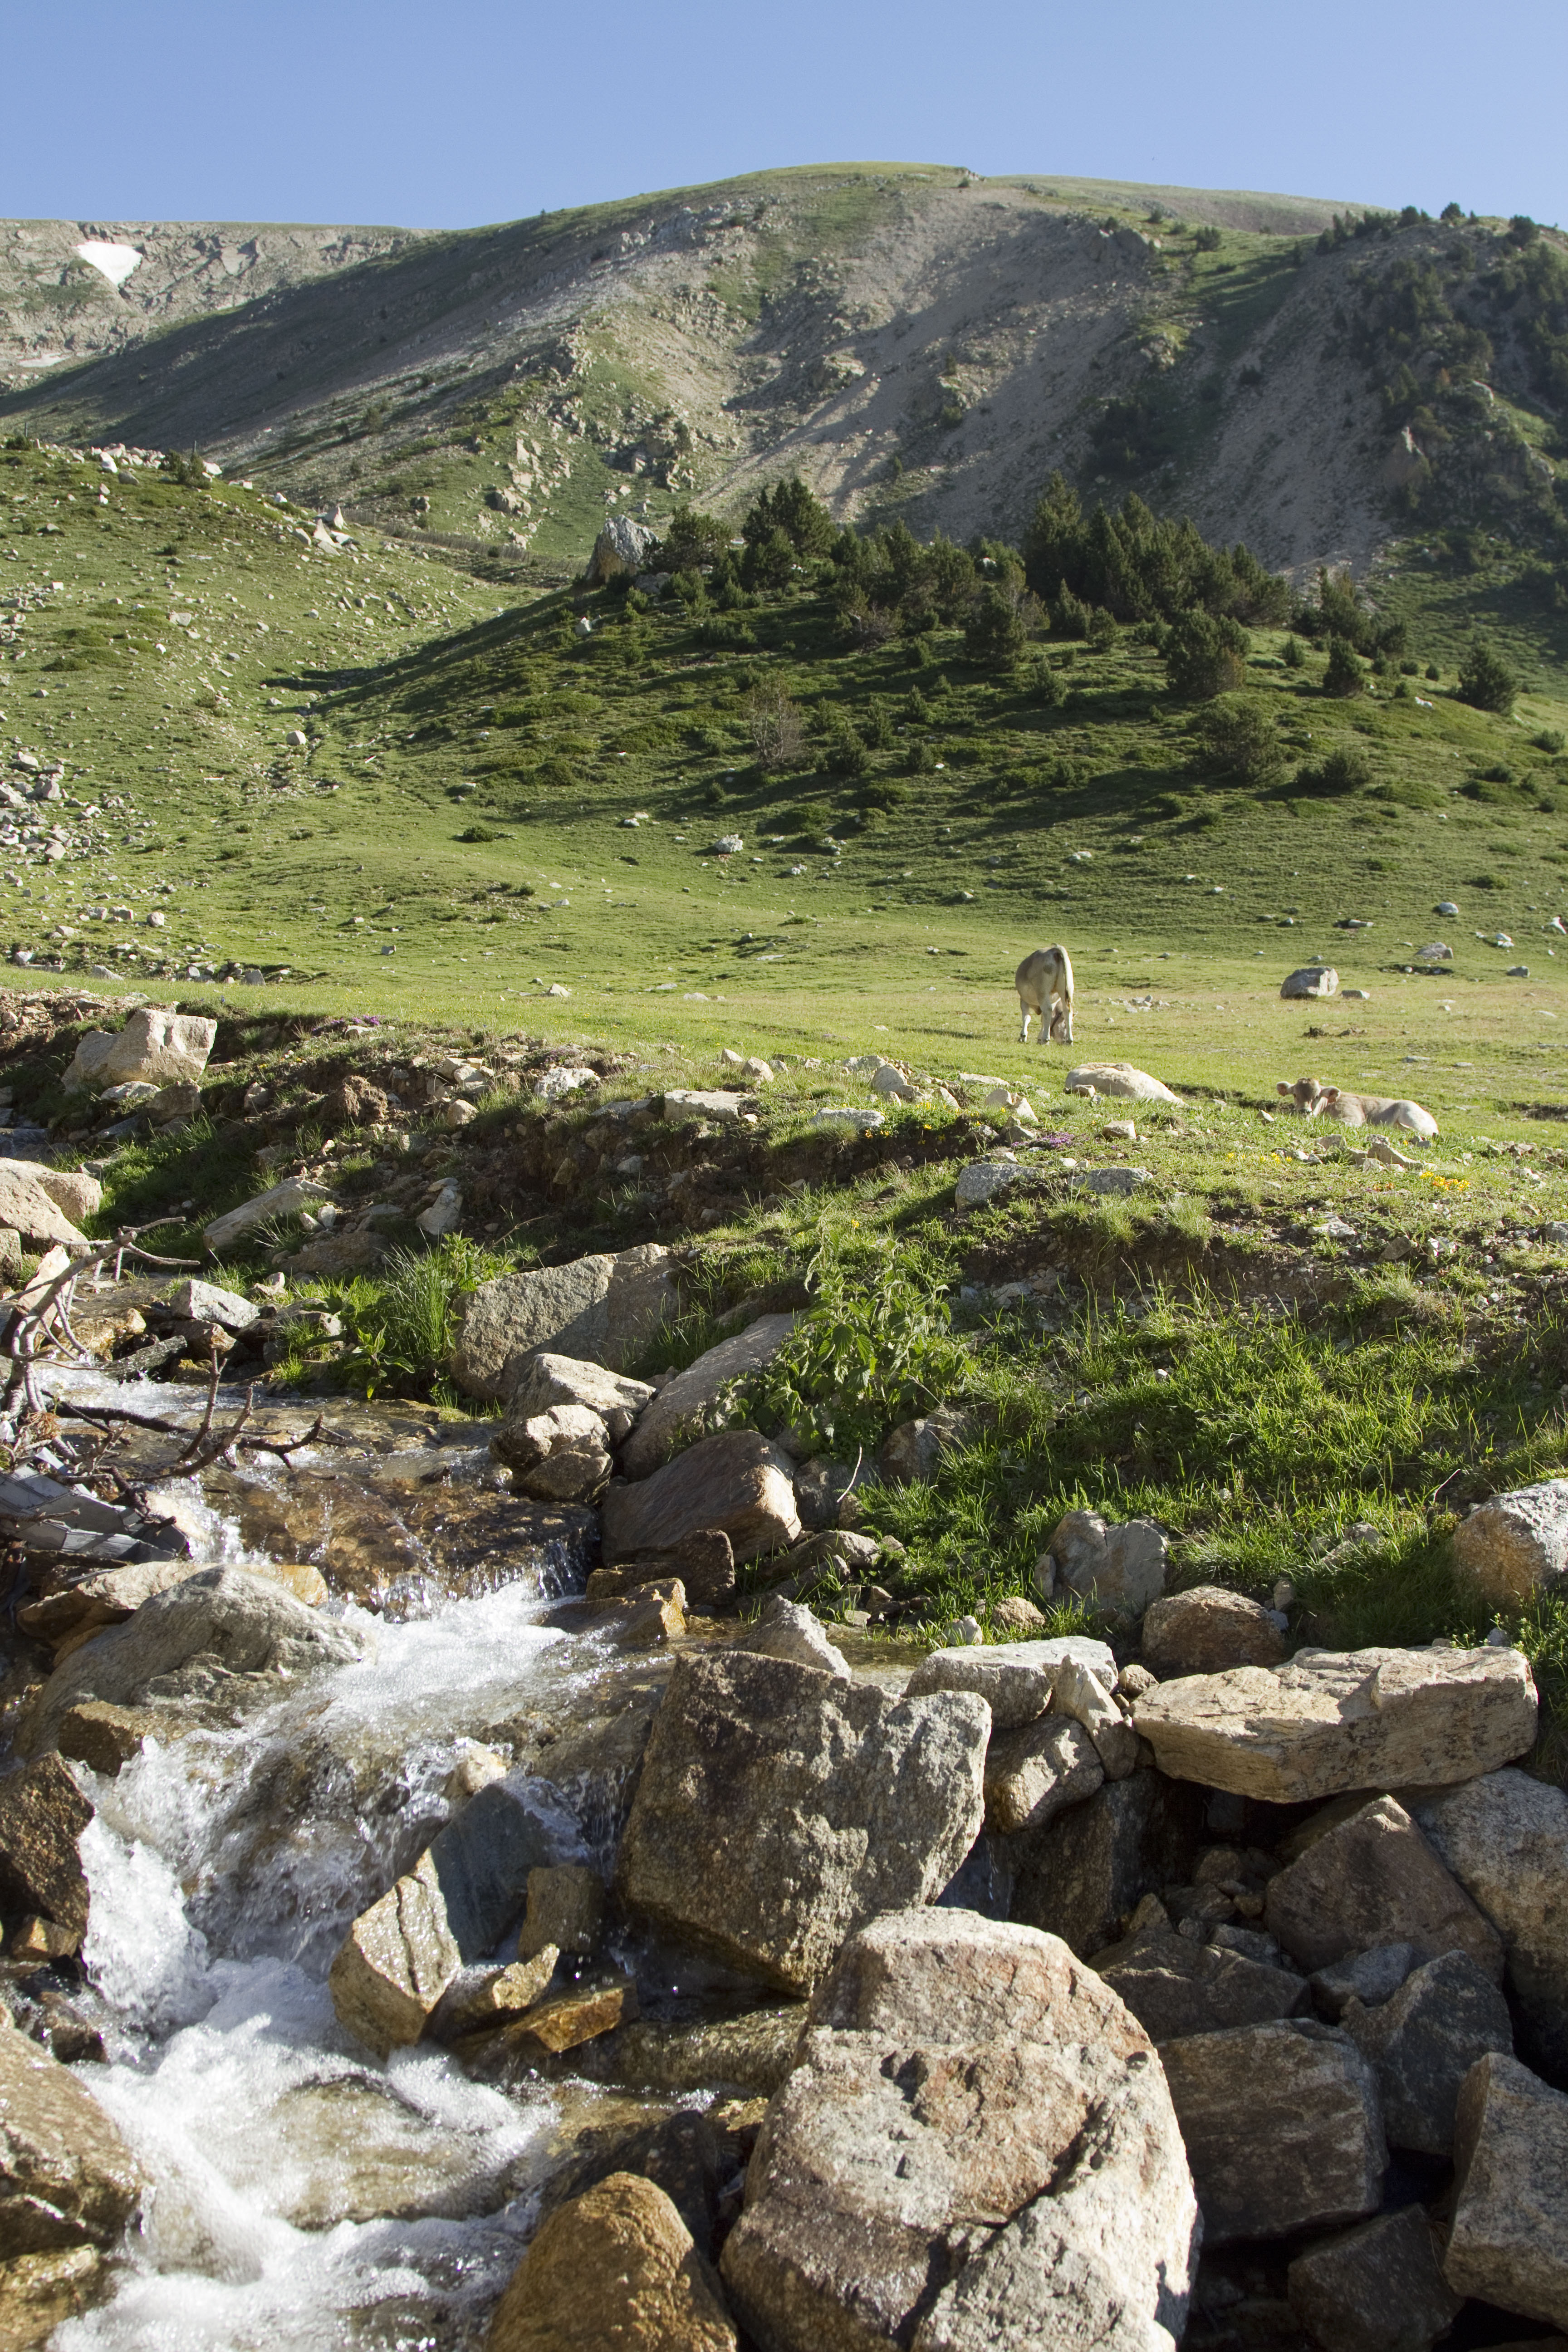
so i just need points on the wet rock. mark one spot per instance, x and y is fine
(1422, 2042)
(1083, 1873)
(1505, 1838)
(678, 1413)
(646, 1616)
(1033, 1773)
(955, 2067)
(1018, 1680)
(566, 1379)
(601, 1309)
(42, 1815)
(284, 1199)
(735, 1481)
(1509, 2240)
(102, 1736)
(912, 1451)
(27, 1209)
(575, 2017)
(1374, 2288)
(750, 2055)
(1208, 1631)
(207, 1302)
(1174, 1987)
(785, 1630)
(1281, 2125)
(482, 1861)
(156, 1047)
(221, 1639)
(1373, 1878)
(66, 2178)
(1120, 1079)
(704, 1561)
(1331, 1721)
(617, 2265)
(1516, 1545)
(1368, 1977)
(694, 2159)
(74, 1612)
(1116, 1568)
(561, 1455)
(566, 1910)
(779, 1809)
(479, 2000)
(395, 1963)
(38, 2292)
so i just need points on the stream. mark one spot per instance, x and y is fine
(304, 2195)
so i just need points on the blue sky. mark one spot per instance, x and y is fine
(468, 111)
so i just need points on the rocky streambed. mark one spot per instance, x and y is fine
(406, 1949)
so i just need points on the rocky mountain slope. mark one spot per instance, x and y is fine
(913, 340)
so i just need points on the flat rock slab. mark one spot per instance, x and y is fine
(1282, 2126)
(1176, 1987)
(692, 1103)
(1333, 1721)
(779, 1807)
(1515, 1545)
(616, 2266)
(1374, 2288)
(1373, 1879)
(1508, 2241)
(735, 1481)
(1015, 1679)
(284, 1199)
(1423, 2041)
(1122, 1079)
(1505, 1838)
(970, 2107)
(678, 1413)
(66, 2178)
(601, 1309)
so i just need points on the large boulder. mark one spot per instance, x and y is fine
(1505, 1838)
(1310, 980)
(1374, 2288)
(567, 1379)
(622, 546)
(1333, 1721)
(1035, 1772)
(73, 1191)
(1281, 2125)
(31, 1210)
(1423, 2041)
(66, 2178)
(1372, 1878)
(1516, 1545)
(42, 1815)
(615, 2266)
(976, 2148)
(1121, 1078)
(604, 1308)
(735, 1481)
(1086, 1870)
(1016, 1679)
(1174, 1987)
(1508, 2242)
(157, 1047)
(1207, 1632)
(779, 1807)
(1119, 1570)
(678, 1413)
(561, 1455)
(221, 1639)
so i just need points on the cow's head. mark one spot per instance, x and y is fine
(1307, 1094)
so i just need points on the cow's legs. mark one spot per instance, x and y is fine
(1024, 1031)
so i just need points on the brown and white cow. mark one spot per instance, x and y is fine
(1315, 1100)
(1044, 983)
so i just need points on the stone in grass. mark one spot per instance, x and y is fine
(1508, 2243)
(913, 1450)
(1516, 1545)
(1120, 1079)
(984, 1179)
(1505, 1838)
(1372, 1878)
(1207, 1631)
(954, 2066)
(1281, 2125)
(736, 1481)
(206, 1302)
(1423, 2042)
(1374, 2288)
(1331, 1721)
(1310, 980)
(616, 2265)
(604, 1309)
(1119, 1569)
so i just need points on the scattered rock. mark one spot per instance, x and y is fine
(984, 1179)
(1175, 1987)
(1118, 1183)
(1016, 1615)
(27, 1209)
(748, 1834)
(1311, 980)
(1033, 1773)
(616, 2266)
(42, 1815)
(1515, 1546)
(735, 1481)
(561, 1454)
(912, 1451)
(38, 2292)
(555, 1085)
(1331, 1721)
(566, 1910)
(1505, 1838)
(680, 1411)
(1423, 2041)
(1208, 1631)
(395, 1963)
(73, 1191)
(1281, 2127)
(1509, 2240)
(1120, 1079)
(580, 2014)
(956, 2067)
(206, 1303)
(1368, 1879)
(1368, 1977)
(687, 1105)
(1081, 1875)
(565, 1379)
(747, 2056)
(1120, 1570)
(603, 1309)
(1374, 2288)
(66, 2178)
(785, 1630)
(1080, 1693)
(1018, 1680)
(284, 1199)
(704, 1561)
(156, 1047)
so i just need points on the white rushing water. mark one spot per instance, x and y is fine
(302, 2195)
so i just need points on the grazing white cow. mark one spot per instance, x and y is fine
(1044, 983)
(1315, 1100)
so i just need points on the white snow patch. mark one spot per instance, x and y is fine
(116, 261)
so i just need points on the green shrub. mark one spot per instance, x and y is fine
(875, 1350)
(1204, 655)
(1486, 680)
(997, 631)
(1101, 630)
(1237, 738)
(1343, 675)
(1346, 769)
(1206, 239)
(1550, 739)
(1044, 684)
(1294, 655)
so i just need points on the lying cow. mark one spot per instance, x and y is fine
(1315, 1100)
(1044, 983)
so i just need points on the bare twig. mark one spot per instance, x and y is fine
(201, 1436)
